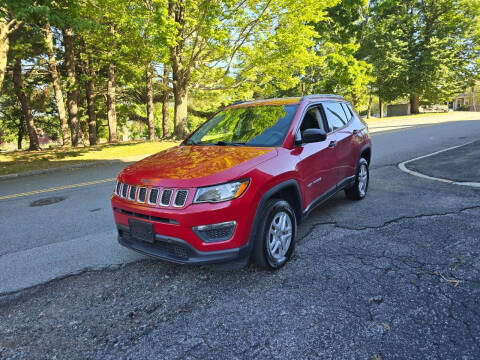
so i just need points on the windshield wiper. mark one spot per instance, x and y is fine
(225, 143)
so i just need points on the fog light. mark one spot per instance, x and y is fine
(215, 232)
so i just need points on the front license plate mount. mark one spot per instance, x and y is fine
(141, 230)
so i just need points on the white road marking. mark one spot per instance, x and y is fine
(402, 167)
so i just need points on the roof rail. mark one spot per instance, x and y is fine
(237, 102)
(321, 95)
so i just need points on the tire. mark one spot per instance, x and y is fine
(359, 189)
(273, 248)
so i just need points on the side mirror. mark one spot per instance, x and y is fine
(313, 135)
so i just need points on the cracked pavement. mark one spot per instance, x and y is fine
(356, 288)
(395, 276)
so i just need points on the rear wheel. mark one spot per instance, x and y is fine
(359, 189)
(277, 231)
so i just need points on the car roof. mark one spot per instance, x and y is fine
(286, 100)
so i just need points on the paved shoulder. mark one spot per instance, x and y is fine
(461, 164)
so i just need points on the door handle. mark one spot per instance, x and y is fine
(332, 144)
(356, 132)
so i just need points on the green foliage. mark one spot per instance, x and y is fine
(245, 49)
(340, 68)
(424, 48)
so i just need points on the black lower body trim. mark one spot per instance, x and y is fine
(177, 250)
(344, 184)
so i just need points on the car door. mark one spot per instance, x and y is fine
(317, 164)
(341, 138)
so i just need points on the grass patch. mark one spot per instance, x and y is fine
(21, 161)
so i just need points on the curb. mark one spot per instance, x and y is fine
(402, 167)
(71, 167)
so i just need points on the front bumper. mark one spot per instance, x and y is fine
(179, 251)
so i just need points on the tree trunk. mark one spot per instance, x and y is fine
(165, 96)
(414, 104)
(90, 95)
(4, 46)
(369, 108)
(180, 116)
(380, 107)
(150, 118)
(25, 104)
(72, 95)
(180, 73)
(111, 99)
(21, 132)
(57, 87)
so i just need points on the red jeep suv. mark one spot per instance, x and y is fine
(237, 187)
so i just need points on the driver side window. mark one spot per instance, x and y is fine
(312, 120)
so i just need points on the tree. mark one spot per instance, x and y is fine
(154, 35)
(111, 104)
(72, 93)
(8, 26)
(423, 50)
(90, 97)
(222, 45)
(340, 68)
(52, 63)
(25, 104)
(165, 97)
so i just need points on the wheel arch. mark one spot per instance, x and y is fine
(366, 153)
(288, 190)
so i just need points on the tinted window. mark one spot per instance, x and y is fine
(251, 125)
(336, 117)
(347, 110)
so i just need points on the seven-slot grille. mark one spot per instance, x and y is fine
(152, 196)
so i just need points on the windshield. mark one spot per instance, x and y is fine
(249, 126)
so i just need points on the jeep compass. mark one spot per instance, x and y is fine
(237, 188)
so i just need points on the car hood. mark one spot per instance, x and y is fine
(184, 163)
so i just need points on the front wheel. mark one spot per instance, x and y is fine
(359, 189)
(277, 231)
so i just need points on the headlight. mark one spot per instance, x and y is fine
(222, 192)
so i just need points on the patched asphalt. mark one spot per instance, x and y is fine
(461, 164)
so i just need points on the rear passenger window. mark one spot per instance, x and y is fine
(335, 114)
(347, 110)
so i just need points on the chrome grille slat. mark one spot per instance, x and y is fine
(153, 196)
(166, 197)
(124, 191)
(118, 188)
(142, 195)
(180, 198)
(132, 194)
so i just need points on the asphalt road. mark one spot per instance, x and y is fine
(454, 164)
(396, 275)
